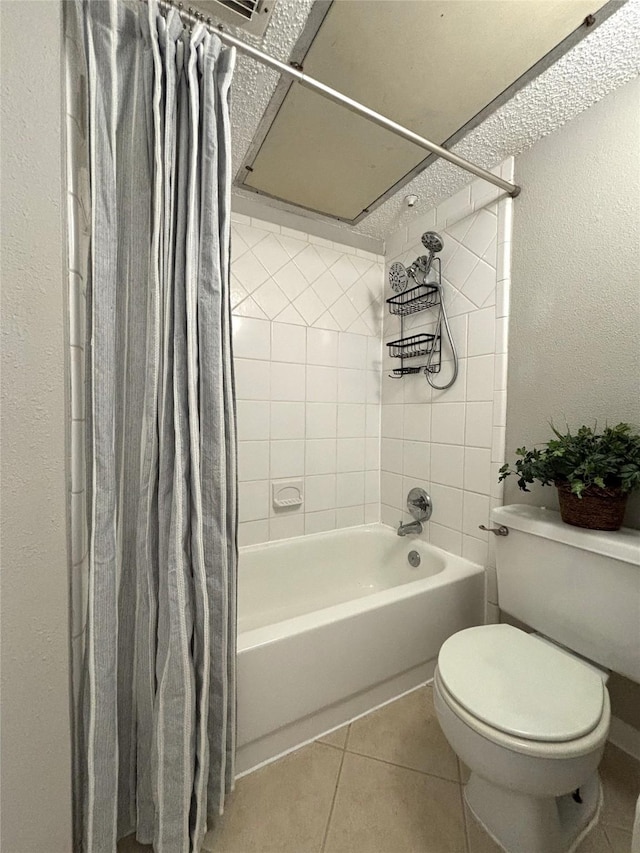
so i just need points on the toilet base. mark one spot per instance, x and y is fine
(520, 823)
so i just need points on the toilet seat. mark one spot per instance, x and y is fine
(515, 684)
(536, 749)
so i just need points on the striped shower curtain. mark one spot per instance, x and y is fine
(156, 708)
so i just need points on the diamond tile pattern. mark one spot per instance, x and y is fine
(277, 276)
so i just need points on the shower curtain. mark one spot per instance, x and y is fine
(155, 715)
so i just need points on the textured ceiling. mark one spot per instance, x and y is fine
(604, 60)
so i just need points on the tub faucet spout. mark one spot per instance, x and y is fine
(411, 527)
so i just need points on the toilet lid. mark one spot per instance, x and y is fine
(519, 685)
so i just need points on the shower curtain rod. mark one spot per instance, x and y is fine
(192, 17)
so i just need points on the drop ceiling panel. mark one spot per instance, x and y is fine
(431, 65)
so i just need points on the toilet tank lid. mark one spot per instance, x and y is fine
(623, 544)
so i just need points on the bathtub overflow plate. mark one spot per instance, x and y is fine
(414, 559)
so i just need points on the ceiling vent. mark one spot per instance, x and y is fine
(251, 15)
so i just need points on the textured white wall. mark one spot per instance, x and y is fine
(575, 302)
(574, 342)
(36, 761)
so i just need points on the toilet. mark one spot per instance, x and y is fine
(529, 713)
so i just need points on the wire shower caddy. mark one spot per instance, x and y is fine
(411, 301)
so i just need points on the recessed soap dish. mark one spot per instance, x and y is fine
(287, 494)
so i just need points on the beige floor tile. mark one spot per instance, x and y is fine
(619, 839)
(595, 842)
(620, 776)
(406, 732)
(380, 808)
(337, 738)
(464, 772)
(282, 808)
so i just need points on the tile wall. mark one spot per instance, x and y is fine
(307, 325)
(452, 442)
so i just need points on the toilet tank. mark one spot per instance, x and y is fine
(578, 587)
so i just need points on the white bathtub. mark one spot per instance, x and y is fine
(335, 624)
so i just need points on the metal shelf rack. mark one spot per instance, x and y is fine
(411, 301)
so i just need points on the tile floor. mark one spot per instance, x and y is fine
(388, 783)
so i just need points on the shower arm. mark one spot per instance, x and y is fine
(192, 17)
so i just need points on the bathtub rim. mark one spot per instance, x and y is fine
(455, 568)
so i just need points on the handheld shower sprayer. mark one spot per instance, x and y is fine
(434, 243)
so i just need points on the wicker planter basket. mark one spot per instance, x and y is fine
(597, 509)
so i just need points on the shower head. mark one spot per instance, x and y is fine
(432, 241)
(398, 277)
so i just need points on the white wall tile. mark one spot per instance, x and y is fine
(287, 459)
(288, 343)
(447, 465)
(392, 421)
(477, 470)
(320, 492)
(351, 386)
(322, 347)
(286, 526)
(372, 486)
(320, 456)
(352, 351)
(351, 454)
(350, 516)
(253, 460)
(253, 500)
(417, 422)
(287, 381)
(391, 492)
(391, 455)
(322, 384)
(415, 462)
(480, 371)
(500, 373)
(447, 423)
(447, 505)
(321, 420)
(350, 489)
(446, 538)
(480, 283)
(372, 513)
(475, 550)
(498, 444)
(482, 332)
(478, 425)
(372, 454)
(502, 334)
(320, 522)
(482, 232)
(475, 512)
(287, 420)
(252, 379)
(253, 532)
(500, 408)
(351, 420)
(253, 420)
(373, 390)
(271, 298)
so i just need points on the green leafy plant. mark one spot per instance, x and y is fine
(584, 459)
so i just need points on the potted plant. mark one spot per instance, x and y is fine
(593, 472)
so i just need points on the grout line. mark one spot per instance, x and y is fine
(465, 823)
(401, 766)
(333, 803)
